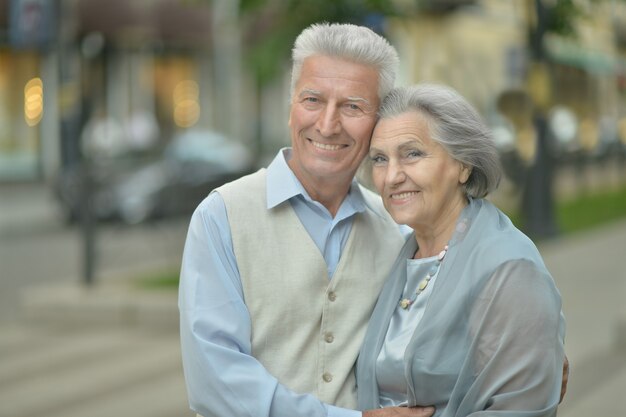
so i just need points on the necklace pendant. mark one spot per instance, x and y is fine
(405, 303)
(442, 254)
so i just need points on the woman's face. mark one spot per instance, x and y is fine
(420, 184)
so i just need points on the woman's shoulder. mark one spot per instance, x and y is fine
(493, 241)
(496, 235)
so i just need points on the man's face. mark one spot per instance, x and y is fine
(333, 113)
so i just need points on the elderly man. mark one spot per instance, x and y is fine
(282, 268)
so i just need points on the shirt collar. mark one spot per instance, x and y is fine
(282, 185)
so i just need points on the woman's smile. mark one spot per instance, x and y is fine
(403, 196)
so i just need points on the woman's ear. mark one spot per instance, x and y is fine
(464, 174)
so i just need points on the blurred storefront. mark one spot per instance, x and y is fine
(586, 74)
(27, 31)
(481, 48)
(107, 77)
(110, 77)
(19, 141)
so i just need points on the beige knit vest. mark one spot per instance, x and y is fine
(307, 329)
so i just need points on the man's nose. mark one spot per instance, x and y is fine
(329, 123)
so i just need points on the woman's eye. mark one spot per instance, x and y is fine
(414, 154)
(311, 99)
(377, 159)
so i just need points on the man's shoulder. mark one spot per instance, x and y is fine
(256, 179)
(244, 193)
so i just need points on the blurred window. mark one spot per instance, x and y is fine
(19, 131)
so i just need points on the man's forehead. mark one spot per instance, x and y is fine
(311, 91)
(336, 67)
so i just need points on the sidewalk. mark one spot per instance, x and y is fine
(28, 206)
(68, 350)
(590, 271)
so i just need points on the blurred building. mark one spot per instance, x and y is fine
(477, 48)
(110, 76)
(481, 48)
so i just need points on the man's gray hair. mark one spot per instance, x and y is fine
(353, 43)
(456, 125)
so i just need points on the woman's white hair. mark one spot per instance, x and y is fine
(353, 43)
(456, 125)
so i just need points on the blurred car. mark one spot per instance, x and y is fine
(134, 189)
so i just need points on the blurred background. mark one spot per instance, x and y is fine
(117, 118)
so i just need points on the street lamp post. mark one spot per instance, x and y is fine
(537, 197)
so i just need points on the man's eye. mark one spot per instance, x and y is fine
(311, 99)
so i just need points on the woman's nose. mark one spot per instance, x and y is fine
(395, 174)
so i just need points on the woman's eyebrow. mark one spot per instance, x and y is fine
(409, 143)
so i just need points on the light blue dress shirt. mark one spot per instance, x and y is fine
(215, 323)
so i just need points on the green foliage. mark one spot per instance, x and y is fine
(591, 210)
(585, 211)
(563, 16)
(271, 27)
(167, 279)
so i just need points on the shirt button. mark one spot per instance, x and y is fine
(327, 377)
(329, 338)
(332, 296)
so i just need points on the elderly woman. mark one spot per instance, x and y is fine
(469, 320)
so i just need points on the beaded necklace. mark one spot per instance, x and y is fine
(406, 303)
(461, 228)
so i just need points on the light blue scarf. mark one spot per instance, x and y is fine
(491, 338)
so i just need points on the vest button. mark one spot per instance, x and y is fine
(329, 338)
(332, 296)
(327, 377)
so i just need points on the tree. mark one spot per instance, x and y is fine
(270, 27)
